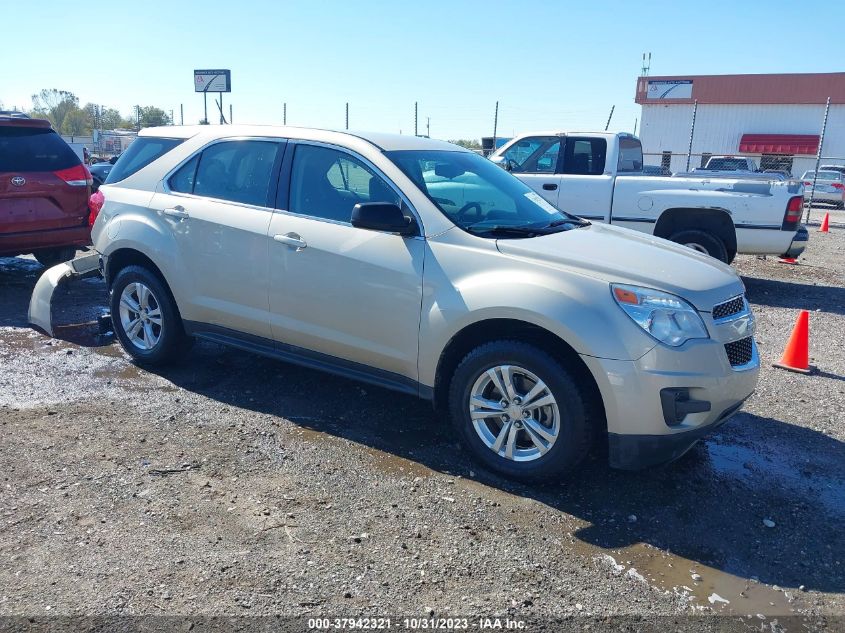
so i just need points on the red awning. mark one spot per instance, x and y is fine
(779, 144)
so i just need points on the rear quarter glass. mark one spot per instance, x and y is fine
(143, 151)
(27, 149)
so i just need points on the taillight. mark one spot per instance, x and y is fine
(838, 185)
(95, 204)
(78, 176)
(793, 213)
(808, 184)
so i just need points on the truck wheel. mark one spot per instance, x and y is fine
(145, 318)
(519, 411)
(53, 256)
(702, 242)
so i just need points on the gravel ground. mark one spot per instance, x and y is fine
(230, 484)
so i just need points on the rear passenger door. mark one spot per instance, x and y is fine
(217, 206)
(586, 182)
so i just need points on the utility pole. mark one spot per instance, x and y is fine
(181, 114)
(347, 115)
(635, 126)
(415, 119)
(495, 126)
(691, 131)
(222, 118)
(428, 126)
(607, 125)
(285, 113)
(171, 117)
(818, 158)
(230, 114)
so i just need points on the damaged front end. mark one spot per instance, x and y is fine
(40, 312)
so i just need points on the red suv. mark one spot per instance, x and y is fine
(44, 191)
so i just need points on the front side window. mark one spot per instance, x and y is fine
(534, 155)
(327, 183)
(584, 156)
(630, 155)
(480, 197)
(237, 171)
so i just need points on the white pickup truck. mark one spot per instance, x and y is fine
(598, 176)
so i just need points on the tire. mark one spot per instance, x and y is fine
(160, 337)
(703, 242)
(527, 462)
(50, 257)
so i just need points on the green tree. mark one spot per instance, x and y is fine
(54, 105)
(151, 117)
(468, 143)
(76, 123)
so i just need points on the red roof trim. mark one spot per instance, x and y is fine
(779, 144)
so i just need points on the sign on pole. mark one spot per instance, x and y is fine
(218, 80)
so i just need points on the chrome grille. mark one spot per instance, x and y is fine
(739, 352)
(728, 308)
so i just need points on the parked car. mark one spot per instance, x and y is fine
(44, 189)
(829, 188)
(598, 176)
(422, 267)
(99, 173)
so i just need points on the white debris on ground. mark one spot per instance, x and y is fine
(714, 597)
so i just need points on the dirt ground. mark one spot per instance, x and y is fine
(234, 485)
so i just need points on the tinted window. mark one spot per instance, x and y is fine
(536, 154)
(326, 183)
(238, 171)
(34, 149)
(183, 180)
(630, 155)
(584, 156)
(141, 152)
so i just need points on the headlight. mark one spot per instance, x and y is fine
(667, 318)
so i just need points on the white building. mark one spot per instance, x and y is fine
(777, 119)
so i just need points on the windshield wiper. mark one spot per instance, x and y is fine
(569, 220)
(504, 229)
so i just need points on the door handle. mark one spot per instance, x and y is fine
(291, 239)
(177, 212)
(549, 186)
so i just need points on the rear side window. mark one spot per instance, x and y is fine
(34, 149)
(584, 156)
(238, 171)
(630, 155)
(183, 180)
(142, 151)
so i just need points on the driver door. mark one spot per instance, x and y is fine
(535, 161)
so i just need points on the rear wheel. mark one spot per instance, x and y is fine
(702, 242)
(519, 411)
(52, 256)
(145, 318)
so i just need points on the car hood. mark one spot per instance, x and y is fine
(619, 255)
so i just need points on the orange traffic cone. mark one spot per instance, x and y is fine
(825, 222)
(796, 356)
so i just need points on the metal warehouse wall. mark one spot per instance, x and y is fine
(718, 129)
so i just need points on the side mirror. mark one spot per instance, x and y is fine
(505, 163)
(382, 216)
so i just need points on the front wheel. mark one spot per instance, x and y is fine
(702, 242)
(145, 318)
(519, 411)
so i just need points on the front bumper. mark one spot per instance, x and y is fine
(40, 312)
(639, 431)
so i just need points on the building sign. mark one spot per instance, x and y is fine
(678, 89)
(213, 80)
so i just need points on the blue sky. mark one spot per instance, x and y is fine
(549, 64)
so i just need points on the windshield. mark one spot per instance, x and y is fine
(480, 197)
